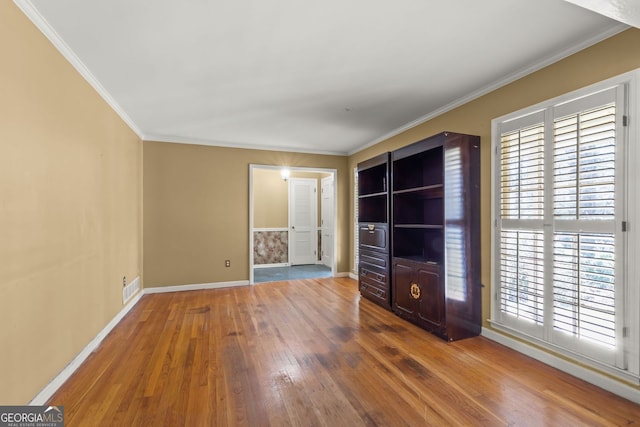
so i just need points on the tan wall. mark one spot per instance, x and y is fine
(609, 58)
(270, 197)
(196, 210)
(70, 210)
(270, 205)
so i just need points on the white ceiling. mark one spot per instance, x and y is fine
(330, 76)
(627, 11)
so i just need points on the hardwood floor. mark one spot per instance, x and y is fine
(312, 353)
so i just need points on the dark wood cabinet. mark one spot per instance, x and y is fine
(374, 265)
(436, 234)
(424, 301)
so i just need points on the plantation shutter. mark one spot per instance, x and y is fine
(521, 265)
(584, 211)
(558, 247)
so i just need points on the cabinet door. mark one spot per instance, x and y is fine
(404, 304)
(431, 301)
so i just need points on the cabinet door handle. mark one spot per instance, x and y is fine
(414, 290)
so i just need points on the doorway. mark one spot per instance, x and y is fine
(291, 233)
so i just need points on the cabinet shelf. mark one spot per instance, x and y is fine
(419, 259)
(420, 226)
(373, 195)
(434, 191)
(374, 278)
(436, 254)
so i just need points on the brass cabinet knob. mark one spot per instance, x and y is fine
(414, 290)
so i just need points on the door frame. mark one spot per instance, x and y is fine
(333, 172)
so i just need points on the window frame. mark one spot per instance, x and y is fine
(629, 360)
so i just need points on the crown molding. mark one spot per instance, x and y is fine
(215, 143)
(499, 83)
(27, 7)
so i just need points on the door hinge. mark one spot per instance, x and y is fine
(625, 226)
(625, 331)
(625, 120)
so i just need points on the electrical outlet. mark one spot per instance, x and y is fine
(227, 263)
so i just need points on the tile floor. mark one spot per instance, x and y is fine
(273, 274)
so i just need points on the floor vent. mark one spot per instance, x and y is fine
(130, 290)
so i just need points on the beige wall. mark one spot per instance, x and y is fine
(609, 58)
(270, 195)
(196, 210)
(70, 210)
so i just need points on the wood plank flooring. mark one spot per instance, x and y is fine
(312, 353)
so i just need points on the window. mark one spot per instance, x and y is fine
(561, 242)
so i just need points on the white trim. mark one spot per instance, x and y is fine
(48, 391)
(566, 352)
(270, 229)
(194, 287)
(45, 394)
(584, 91)
(215, 143)
(627, 391)
(632, 297)
(353, 275)
(27, 7)
(498, 84)
(333, 172)
(343, 274)
(43, 25)
(633, 215)
(282, 264)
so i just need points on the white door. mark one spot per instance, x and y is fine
(326, 221)
(303, 221)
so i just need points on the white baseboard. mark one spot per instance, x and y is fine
(352, 275)
(617, 387)
(45, 394)
(343, 274)
(48, 391)
(282, 264)
(196, 287)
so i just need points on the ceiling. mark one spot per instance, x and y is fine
(329, 76)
